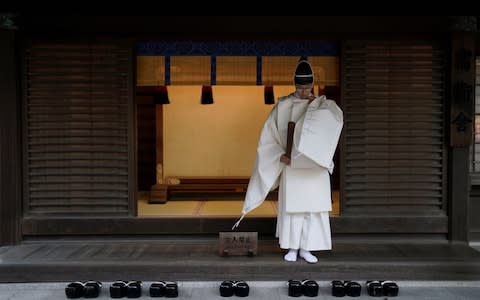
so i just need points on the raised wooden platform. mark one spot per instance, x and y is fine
(193, 258)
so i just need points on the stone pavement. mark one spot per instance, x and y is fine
(264, 290)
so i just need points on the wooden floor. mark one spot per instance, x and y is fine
(195, 258)
(197, 207)
(203, 208)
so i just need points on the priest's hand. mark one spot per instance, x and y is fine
(285, 159)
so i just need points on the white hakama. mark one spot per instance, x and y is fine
(302, 230)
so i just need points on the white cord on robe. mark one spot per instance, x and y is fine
(238, 222)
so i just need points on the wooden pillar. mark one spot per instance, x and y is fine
(462, 114)
(10, 135)
(158, 192)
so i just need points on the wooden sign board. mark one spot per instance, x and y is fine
(238, 243)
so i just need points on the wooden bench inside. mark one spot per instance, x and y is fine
(198, 186)
(194, 187)
(211, 184)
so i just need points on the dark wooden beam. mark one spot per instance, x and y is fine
(10, 150)
(474, 208)
(264, 226)
(236, 25)
(132, 136)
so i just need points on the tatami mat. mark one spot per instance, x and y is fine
(171, 208)
(214, 208)
(234, 208)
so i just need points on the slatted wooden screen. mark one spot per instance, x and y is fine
(394, 146)
(77, 115)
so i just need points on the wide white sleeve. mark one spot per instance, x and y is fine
(267, 166)
(320, 133)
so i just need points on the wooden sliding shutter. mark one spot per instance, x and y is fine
(394, 151)
(77, 101)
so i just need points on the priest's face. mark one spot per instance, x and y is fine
(304, 91)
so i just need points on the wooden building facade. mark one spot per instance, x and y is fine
(69, 153)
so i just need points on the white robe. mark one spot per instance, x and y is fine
(304, 192)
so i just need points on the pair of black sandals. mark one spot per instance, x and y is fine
(167, 289)
(306, 287)
(228, 288)
(123, 288)
(86, 289)
(375, 288)
(380, 288)
(346, 288)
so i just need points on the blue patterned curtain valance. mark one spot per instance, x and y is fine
(246, 48)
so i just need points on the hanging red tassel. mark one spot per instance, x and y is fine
(268, 95)
(207, 95)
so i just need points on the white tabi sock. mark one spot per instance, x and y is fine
(309, 257)
(291, 255)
